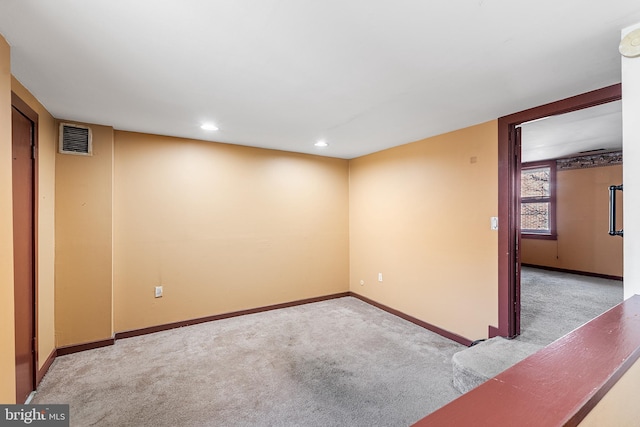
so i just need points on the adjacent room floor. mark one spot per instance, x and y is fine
(554, 303)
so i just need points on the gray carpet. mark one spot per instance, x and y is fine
(334, 363)
(475, 365)
(552, 305)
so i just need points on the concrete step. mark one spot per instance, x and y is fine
(475, 365)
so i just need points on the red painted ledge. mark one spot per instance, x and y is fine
(560, 384)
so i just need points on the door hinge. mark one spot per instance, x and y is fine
(33, 152)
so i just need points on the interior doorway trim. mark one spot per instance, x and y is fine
(508, 302)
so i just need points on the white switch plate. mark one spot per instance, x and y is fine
(158, 291)
(379, 277)
(494, 222)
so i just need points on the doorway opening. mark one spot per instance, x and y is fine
(509, 159)
(571, 267)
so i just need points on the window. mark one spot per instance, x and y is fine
(537, 200)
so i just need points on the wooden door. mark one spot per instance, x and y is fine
(24, 252)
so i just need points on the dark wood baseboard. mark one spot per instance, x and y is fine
(70, 349)
(450, 335)
(82, 347)
(582, 273)
(61, 351)
(493, 332)
(167, 326)
(45, 367)
(158, 328)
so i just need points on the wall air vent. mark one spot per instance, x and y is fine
(75, 139)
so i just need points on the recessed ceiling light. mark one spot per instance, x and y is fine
(321, 144)
(209, 126)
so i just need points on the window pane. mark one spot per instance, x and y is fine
(535, 216)
(535, 182)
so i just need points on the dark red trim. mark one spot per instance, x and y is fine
(45, 367)
(560, 384)
(158, 328)
(167, 326)
(23, 107)
(62, 351)
(539, 236)
(582, 273)
(539, 164)
(493, 332)
(567, 105)
(506, 232)
(421, 323)
(507, 195)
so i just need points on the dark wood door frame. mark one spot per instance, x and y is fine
(22, 108)
(508, 197)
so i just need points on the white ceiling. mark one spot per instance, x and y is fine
(571, 133)
(363, 75)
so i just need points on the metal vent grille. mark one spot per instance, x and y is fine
(75, 139)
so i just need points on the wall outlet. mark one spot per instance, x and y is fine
(361, 282)
(379, 277)
(158, 291)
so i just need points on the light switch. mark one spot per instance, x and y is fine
(158, 291)
(494, 222)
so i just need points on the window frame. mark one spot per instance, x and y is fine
(552, 233)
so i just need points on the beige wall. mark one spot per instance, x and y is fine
(631, 149)
(583, 222)
(619, 407)
(420, 215)
(7, 336)
(46, 238)
(83, 230)
(223, 228)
